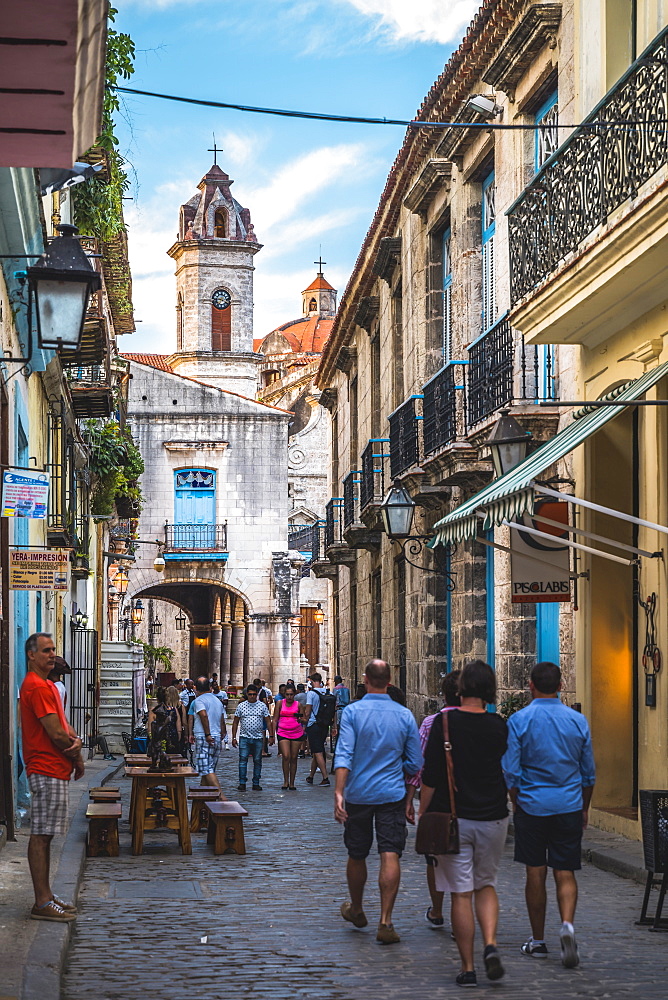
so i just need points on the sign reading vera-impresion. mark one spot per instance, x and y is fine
(540, 568)
(37, 569)
(24, 493)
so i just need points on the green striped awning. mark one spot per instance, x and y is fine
(511, 495)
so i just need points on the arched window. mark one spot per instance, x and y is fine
(220, 224)
(269, 376)
(313, 306)
(221, 321)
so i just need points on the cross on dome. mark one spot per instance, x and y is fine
(215, 151)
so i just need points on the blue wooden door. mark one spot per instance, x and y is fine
(195, 509)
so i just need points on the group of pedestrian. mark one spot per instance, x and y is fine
(541, 760)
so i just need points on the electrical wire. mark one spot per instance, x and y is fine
(413, 123)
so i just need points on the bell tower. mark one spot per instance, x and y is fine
(214, 255)
(319, 299)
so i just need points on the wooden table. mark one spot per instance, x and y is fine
(142, 760)
(174, 782)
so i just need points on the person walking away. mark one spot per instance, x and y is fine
(252, 714)
(208, 727)
(302, 694)
(319, 714)
(61, 667)
(289, 733)
(450, 692)
(550, 772)
(478, 740)
(51, 754)
(377, 749)
(262, 696)
(223, 697)
(178, 721)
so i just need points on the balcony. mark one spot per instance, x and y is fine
(337, 549)
(372, 481)
(196, 541)
(304, 538)
(404, 448)
(90, 389)
(593, 219)
(355, 532)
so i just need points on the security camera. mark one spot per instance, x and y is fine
(485, 106)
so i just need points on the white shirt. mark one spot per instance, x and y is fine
(62, 691)
(214, 710)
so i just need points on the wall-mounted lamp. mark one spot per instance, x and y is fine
(137, 613)
(483, 105)
(180, 621)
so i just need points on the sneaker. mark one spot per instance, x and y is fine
(309, 780)
(325, 781)
(569, 947)
(257, 788)
(493, 965)
(386, 934)
(436, 922)
(467, 979)
(51, 911)
(533, 949)
(241, 788)
(358, 920)
(68, 907)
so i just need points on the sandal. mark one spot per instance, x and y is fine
(292, 788)
(284, 788)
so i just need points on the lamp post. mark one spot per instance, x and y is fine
(507, 443)
(79, 620)
(397, 511)
(60, 285)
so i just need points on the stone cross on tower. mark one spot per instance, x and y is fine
(320, 262)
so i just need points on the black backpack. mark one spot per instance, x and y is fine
(327, 710)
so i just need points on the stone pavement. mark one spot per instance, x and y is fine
(268, 924)
(22, 940)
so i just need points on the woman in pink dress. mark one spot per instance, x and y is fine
(289, 733)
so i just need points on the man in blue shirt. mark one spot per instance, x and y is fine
(550, 773)
(378, 749)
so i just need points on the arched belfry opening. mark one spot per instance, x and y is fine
(220, 224)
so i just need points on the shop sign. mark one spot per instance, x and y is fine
(548, 580)
(37, 569)
(25, 493)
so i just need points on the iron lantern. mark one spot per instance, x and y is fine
(79, 620)
(156, 627)
(180, 621)
(60, 285)
(318, 615)
(397, 511)
(137, 613)
(507, 443)
(121, 581)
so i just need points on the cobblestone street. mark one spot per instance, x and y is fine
(272, 925)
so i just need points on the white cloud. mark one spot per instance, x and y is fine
(441, 21)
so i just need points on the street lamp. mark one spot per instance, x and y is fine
(159, 563)
(507, 443)
(137, 613)
(180, 621)
(60, 285)
(156, 627)
(318, 615)
(79, 620)
(397, 511)
(121, 581)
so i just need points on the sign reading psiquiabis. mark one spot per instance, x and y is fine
(37, 569)
(24, 493)
(546, 580)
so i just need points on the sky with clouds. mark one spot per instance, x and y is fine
(311, 186)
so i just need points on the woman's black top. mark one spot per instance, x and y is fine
(479, 741)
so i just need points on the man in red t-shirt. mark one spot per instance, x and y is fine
(51, 752)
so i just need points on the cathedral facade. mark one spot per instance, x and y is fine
(235, 448)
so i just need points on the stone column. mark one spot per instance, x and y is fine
(237, 652)
(215, 648)
(225, 649)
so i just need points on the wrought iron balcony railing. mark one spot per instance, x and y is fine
(440, 407)
(502, 369)
(196, 537)
(90, 390)
(351, 485)
(404, 447)
(605, 161)
(372, 477)
(333, 522)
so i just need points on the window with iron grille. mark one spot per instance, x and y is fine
(547, 130)
(447, 296)
(404, 448)
(439, 408)
(488, 259)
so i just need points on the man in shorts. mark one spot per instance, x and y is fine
(209, 726)
(51, 752)
(377, 750)
(550, 773)
(316, 734)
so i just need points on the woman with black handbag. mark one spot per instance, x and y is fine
(464, 814)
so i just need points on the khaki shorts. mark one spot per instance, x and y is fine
(48, 806)
(481, 844)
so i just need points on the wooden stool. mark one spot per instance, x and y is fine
(106, 788)
(104, 795)
(226, 827)
(102, 840)
(199, 818)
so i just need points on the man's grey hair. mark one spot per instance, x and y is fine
(31, 641)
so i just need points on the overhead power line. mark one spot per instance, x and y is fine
(406, 123)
